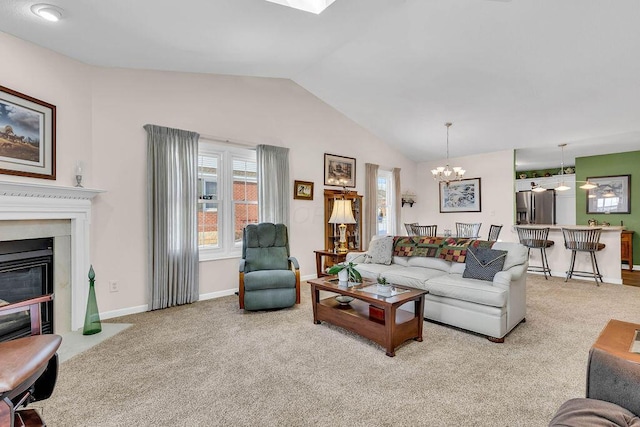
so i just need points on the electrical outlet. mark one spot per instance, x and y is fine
(113, 286)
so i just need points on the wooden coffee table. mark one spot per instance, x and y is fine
(375, 316)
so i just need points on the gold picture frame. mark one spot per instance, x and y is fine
(303, 190)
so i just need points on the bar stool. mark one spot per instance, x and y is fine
(536, 238)
(583, 240)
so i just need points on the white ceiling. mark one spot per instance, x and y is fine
(508, 73)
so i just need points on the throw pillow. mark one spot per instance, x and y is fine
(483, 263)
(380, 251)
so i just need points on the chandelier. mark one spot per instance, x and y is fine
(447, 173)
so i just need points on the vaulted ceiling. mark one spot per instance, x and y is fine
(523, 74)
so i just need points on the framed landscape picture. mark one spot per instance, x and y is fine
(27, 135)
(612, 194)
(303, 190)
(339, 171)
(460, 196)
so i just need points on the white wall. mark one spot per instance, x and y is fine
(101, 112)
(497, 193)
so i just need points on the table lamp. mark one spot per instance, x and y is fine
(342, 215)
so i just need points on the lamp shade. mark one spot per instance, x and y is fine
(342, 213)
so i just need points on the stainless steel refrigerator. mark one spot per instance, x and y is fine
(536, 208)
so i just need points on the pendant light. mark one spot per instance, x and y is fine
(446, 173)
(562, 186)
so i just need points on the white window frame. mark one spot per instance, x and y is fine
(391, 197)
(227, 246)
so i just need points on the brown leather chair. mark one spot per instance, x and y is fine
(29, 367)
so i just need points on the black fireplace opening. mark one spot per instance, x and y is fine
(26, 271)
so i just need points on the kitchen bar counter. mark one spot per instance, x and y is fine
(609, 259)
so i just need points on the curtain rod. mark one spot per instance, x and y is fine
(236, 143)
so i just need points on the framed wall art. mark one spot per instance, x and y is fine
(612, 194)
(339, 171)
(460, 196)
(27, 135)
(303, 190)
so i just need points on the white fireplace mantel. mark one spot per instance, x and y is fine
(25, 201)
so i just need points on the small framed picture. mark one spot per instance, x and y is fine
(612, 194)
(339, 171)
(303, 190)
(27, 135)
(460, 196)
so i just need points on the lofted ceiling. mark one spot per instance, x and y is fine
(522, 74)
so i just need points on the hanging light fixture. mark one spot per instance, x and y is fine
(562, 187)
(588, 185)
(447, 173)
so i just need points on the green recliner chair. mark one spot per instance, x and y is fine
(269, 276)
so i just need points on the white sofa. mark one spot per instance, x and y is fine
(488, 308)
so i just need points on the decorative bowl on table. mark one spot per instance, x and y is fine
(344, 299)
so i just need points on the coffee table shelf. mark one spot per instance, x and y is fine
(398, 325)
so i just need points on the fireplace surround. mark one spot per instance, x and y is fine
(25, 202)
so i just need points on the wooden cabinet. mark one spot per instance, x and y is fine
(354, 231)
(626, 247)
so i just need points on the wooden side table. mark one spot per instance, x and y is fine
(334, 256)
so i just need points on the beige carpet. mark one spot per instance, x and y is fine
(211, 364)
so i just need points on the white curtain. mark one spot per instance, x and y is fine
(370, 226)
(172, 176)
(397, 200)
(274, 188)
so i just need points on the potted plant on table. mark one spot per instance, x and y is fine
(383, 285)
(347, 273)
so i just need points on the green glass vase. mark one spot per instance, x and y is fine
(92, 323)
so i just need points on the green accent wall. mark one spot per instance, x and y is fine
(609, 165)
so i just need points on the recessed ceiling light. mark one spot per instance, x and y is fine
(313, 6)
(47, 11)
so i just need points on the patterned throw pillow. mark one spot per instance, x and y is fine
(403, 246)
(483, 263)
(455, 249)
(380, 251)
(427, 246)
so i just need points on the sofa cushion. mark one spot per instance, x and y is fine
(472, 290)
(435, 263)
(380, 251)
(483, 263)
(415, 277)
(592, 412)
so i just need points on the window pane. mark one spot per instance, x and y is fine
(208, 218)
(208, 224)
(382, 208)
(245, 195)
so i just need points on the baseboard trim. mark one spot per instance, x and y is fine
(218, 294)
(562, 275)
(124, 311)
